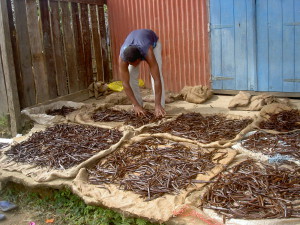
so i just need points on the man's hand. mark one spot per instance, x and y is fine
(159, 111)
(139, 111)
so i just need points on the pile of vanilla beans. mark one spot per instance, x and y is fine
(255, 191)
(112, 115)
(153, 167)
(273, 144)
(3, 145)
(63, 146)
(60, 112)
(283, 121)
(205, 129)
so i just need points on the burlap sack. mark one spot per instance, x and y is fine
(215, 144)
(241, 99)
(196, 94)
(97, 89)
(129, 203)
(117, 98)
(44, 174)
(38, 114)
(170, 97)
(190, 214)
(244, 101)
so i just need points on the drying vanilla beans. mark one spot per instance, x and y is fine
(205, 129)
(273, 144)
(3, 145)
(255, 191)
(112, 115)
(284, 121)
(63, 146)
(60, 112)
(153, 167)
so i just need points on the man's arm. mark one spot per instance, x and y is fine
(151, 60)
(124, 73)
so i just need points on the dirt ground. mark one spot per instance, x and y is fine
(18, 217)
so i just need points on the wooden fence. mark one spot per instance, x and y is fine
(54, 43)
(49, 49)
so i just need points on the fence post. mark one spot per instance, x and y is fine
(9, 70)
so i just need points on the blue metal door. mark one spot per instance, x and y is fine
(255, 45)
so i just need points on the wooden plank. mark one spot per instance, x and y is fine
(79, 47)
(297, 44)
(38, 57)
(227, 21)
(96, 42)
(87, 46)
(16, 56)
(58, 49)
(216, 47)
(50, 65)
(27, 86)
(3, 95)
(104, 47)
(275, 45)
(277, 94)
(288, 55)
(240, 48)
(9, 70)
(94, 2)
(251, 45)
(70, 50)
(262, 45)
(78, 96)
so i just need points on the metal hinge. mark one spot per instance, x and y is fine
(291, 80)
(222, 78)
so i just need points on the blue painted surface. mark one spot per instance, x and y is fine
(233, 44)
(255, 45)
(262, 45)
(297, 43)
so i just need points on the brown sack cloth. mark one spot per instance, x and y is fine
(98, 89)
(130, 203)
(196, 94)
(244, 101)
(170, 97)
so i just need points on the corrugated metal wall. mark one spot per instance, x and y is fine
(182, 28)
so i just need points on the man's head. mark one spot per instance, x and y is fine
(132, 55)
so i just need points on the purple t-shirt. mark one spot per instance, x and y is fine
(142, 39)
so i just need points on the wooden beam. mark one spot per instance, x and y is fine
(37, 52)
(9, 70)
(26, 77)
(277, 94)
(75, 97)
(48, 51)
(104, 47)
(87, 45)
(79, 47)
(92, 2)
(3, 95)
(96, 42)
(70, 51)
(58, 50)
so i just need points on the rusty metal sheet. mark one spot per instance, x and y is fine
(182, 29)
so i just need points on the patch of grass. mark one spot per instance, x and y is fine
(64, 207)
(4, 127)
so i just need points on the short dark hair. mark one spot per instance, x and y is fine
(131, 54)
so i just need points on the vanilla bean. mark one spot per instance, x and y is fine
(63, 145)
(153, 167)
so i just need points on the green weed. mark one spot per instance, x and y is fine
(65, 207)
(4, 126)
